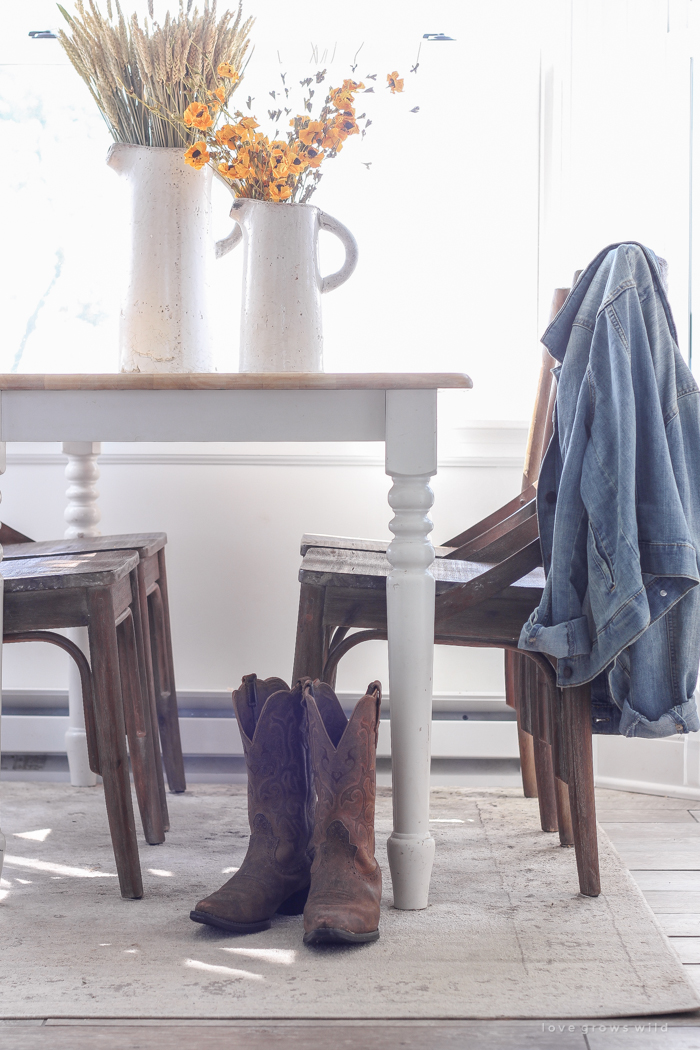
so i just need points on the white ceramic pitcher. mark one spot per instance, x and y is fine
(164, 324)
(281, 327)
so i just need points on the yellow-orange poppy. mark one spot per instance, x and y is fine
(278, 159)
(313, 132)
(332, 137)
(229, 171)
(296, 160)
(345, 126)
(394, 82)
(225, 69)
(343, 100)
(280, 191)
(313, 156)
(197, 155)
(197, 115)
(219, 93)
(227, 136)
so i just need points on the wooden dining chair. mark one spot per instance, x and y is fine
(494, 536)
(99, 591)
(156, 645)
(488, 580)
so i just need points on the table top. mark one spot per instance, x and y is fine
(240, 381)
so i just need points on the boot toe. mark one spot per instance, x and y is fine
(353, 918)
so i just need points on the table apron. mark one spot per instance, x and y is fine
(192, 415)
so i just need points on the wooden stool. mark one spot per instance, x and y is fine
(99, 591)
(155, 615)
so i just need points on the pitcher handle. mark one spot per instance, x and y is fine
(334, 280)
(226, 244)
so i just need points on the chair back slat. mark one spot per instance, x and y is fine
(473, 550)
(477, 530)
(540, 427)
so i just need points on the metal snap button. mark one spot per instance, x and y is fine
(567, 672)
(663, 593)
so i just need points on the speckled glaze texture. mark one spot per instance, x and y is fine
(281, 329)
(164, 321)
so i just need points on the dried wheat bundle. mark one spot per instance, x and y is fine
(135, 73)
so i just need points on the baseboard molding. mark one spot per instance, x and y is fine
(643, 787)
(204, 703)
(45, 734)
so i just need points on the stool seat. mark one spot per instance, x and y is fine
(65, 570)
(146, 543)
(158, 670)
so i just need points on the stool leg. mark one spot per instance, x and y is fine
(526, 747)
(166, 698)
(167, 705)
(111, 739)
(139, 732)
(576, 702)
(308, 657)
(544, 767)
(143, 642)
(566, 827)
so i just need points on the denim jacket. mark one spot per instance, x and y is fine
(618, 503)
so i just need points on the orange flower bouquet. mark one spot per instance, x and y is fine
(282, 169)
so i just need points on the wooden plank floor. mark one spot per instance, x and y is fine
(658, 838)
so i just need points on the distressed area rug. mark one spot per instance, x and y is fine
(506, 934)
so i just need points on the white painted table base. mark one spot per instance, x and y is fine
(405, 418)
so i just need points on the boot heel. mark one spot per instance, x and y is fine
(295, 904)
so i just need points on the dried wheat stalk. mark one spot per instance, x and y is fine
(125, 64)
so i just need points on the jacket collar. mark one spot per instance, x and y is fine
(556, 337)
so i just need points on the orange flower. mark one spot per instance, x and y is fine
(343, 100)
(346, 125)
(228, 170)
(296, 160)
(278, 158)
(245, 130)
(280, 191)
(313, 132)
(219, 93)
(332, 137)
(225, 69)
(313, 156)
(197, 115)
(227, 135)
(197, 155)
(394, 82)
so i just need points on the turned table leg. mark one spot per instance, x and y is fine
(82, 516)
(411, 460)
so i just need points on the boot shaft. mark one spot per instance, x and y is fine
(271, 720)
(343, 757)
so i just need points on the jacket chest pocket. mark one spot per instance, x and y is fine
(598, 556)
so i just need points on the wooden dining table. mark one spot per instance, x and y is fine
(399, 409)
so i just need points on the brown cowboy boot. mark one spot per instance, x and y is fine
(346, 881)
(274, 876)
